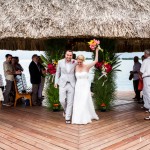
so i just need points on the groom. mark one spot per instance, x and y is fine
(65, 78)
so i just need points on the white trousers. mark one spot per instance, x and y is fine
(66, 97)
(146, 92)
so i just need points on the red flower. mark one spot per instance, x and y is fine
(51, 69)
(99, 65)
(50, 66)
(108, 67)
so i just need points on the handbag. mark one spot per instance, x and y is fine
(130, 76)
(140, 85)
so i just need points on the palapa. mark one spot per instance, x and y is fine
(33, 21)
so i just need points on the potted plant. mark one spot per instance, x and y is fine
(56, 105)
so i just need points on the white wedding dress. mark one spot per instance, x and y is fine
(83, 108)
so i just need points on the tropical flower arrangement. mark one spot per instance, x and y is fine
(104, 86)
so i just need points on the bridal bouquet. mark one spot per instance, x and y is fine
(94, 44)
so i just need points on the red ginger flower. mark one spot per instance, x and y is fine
(108, 67)
(51, 69)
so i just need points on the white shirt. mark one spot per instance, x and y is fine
(68, 66)
(145, 68)
(136, 67)
(7, 66)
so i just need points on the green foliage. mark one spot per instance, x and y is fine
(52, 95)
(104, 94)
(55, 49)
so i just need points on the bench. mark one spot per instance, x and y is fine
(21, 89)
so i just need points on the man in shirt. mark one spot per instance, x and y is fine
(9, 73)
(135, 72)
(145, 72)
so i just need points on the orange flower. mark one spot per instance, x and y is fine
(103, 105)
(55, 105)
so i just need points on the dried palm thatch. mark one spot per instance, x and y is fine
(38, 20)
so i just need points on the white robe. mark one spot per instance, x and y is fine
(146, 92)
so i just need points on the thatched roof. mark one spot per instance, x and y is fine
(37, 20)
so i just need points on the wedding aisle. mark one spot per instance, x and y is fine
(37, 128)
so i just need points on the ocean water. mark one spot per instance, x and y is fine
(123, 83)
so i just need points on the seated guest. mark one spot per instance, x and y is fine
(18, 65)
(1, 83)
(15, 63)
(35, 78)
(9, 73)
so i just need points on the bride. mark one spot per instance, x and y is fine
(83, 108)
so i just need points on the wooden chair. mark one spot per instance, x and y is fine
(21, 90)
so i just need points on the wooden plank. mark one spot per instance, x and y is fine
(6, 147)
(36, 128)
(127, 140)
(12, 139)
(147, 147)
(135, 144)
(31, 140)
(33, 125)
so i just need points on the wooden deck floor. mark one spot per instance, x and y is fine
(37, 128)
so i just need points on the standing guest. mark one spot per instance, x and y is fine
(145, 72)
(41, 86)
(140, 86)
(35, 78)
(74, 56)
(143, 57)
(9, 73)
(135, 72)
